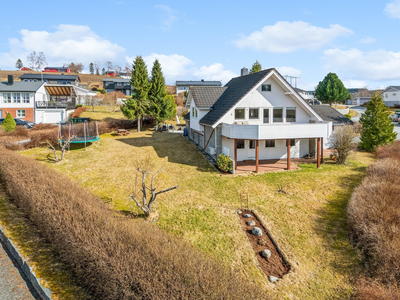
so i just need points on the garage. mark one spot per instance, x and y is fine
(49, 116)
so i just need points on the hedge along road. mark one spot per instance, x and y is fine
(12, 284)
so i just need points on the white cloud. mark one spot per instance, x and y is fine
(373, 65)
(215, 71)
(289, 71)
(286, 37)
(168, 17)
(368, 40)
(77, 43)
(393, 9)
(351, 83)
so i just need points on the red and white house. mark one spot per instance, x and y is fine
(57, 69)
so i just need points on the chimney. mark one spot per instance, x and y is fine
(202, 80)
(10, 79)
(244, 71)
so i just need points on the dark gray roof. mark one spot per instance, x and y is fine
(395, 87)
(199, 83)
(115, 80)
(187, 117)
(20, 86)
(58, 68)
(206, 96)
(328, 113)
(48, 77)
(236, 89)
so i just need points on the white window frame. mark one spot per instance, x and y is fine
(269, 115)
(267, 90)
(25, 97)
(258, 114)
(244, 144)
(295, 116)
(21, 113)
(244, 113)
(273, 121)
(270, 146)
(16, 97)
(7, 97)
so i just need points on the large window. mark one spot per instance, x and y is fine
(240, 144)
(16, 98)
(266, 87)
(21, 113)
(252, 144)
(253, 113)
(25, 98)
(291, 114)
(6, 97)
(266, 116)
(239, 113)
(270, 143)
(119, 83)
(278, 115)
(196, 113)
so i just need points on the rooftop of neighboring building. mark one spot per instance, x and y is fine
(329, 114)
(19, 86)
(49, 76)
(198, 83)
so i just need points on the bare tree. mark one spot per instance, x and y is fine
(74, 67)
(31, 58)
(40, 61)
(343, 140)
(118, 70)
(111, 100)
(128, 69)
(63, 145)
(96, 66)
(147, 200)
(109, 65)
(364, 92)
(93, 100)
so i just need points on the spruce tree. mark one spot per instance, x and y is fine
(377, 127)
(19, 64)
(9, 123)
(138, 106)
(103, 71)
(256, 67)
(91, 68)
(331, 90)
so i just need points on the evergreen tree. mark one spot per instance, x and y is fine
(9, 123)
(138, 106)
(377, 127)
(19, 64)
(256, 67)
(91, 68)
(331, 90)
(103, 71)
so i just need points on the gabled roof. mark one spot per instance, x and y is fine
(20, 86)
(49, 77)
(115, 80)
(236, 89)
(206, 96)
(199, 83)
(329, 114)
(396, 87)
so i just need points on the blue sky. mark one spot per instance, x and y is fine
(213, 40)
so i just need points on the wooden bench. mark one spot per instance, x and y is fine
(121, 132)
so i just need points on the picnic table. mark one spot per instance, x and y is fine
(121, 132)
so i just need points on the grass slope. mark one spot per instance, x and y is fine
(307, 219)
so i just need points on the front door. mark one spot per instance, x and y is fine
(252, 150)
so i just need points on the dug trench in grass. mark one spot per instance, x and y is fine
(115, 257)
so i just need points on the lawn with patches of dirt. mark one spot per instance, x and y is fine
(303, 209)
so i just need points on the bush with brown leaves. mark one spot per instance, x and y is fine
(370, 290)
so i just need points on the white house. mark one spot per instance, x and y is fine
(391, 96)
(361, 100)
(255, 117)
(182, 86)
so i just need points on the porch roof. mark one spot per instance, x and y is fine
(60, 90)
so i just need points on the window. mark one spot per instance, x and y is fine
(21, 113)
(196, 113)
(109, 82)
(278, 115)
(291, 114)
(266, 88)
(253, 113)
(45, 80)
(16, 98)
(266, 116)
(192, 112)
(68, 82)
(240, 144)
(34, 80)
(181, 88)
(25, 97)
(292, 143)
(26, 80)
(270, 143)
(58, 81)
(6, 97)
(239, 113)
(252, 144)
(119, 83)
(127, 83)
(386, 95)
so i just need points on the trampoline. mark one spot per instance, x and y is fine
(81, 133)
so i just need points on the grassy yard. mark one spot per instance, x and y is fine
(353, 113)
(102, 113)
(304, 209)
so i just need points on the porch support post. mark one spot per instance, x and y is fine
(322, 150)
(235, 154)
(288, 154)
(318, 152)
(256, 156)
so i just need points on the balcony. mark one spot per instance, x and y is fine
(56, 104)
(277, 131)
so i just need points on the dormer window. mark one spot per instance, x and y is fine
(266, 88)
(239, 114)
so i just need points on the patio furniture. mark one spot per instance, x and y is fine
(121, 132)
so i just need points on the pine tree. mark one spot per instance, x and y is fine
(91, 68)
(103, 71)
(19, 64)
(377, 127)
(138, 106)
(9, 123)
(331, 90)
(256, 67)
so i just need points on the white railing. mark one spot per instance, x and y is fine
(277, 131)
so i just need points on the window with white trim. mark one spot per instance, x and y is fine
(16, 98)
(25, 97)
(278, 115)
(240, 144)
(252, 144)
(239, 114)
(266, 88)
(266, 116)
(196, 112)
(253, 113)
(269, 143)
(20, 113)
(6, 97)
(291, 114)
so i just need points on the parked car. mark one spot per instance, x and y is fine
(20, 122)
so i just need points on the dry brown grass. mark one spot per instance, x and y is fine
(112, 256)
(389, 151)
(77, 112)
(370, 290)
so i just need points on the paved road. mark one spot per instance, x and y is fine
(12, 284)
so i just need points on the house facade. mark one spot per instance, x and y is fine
(57, 69)
(391, 96)
(182, 86)
(118, 85)
(256, 117)
(51, 78)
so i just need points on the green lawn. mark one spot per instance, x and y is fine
(308, 221)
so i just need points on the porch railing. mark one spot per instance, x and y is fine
(55, 104)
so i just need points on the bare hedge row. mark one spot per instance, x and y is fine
(374, 216)
(114, 257)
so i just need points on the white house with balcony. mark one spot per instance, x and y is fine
(391, 96)
(255, 117)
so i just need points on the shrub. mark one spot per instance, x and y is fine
(342, 139)
(79, 105)
(225, 163)
(78, 112)
(389, 151)
(115, 257)
(9, 123)
(357, 127)
(348, 116)
(370, 290)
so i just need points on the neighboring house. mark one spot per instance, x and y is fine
(51, 79)
(37, 102)
(329, 114)
(118, 85)
(82, 94)
(391, 96)
(26, 69)
(255, 117)
(124, 75)
(57, 69)
(182, 86)
(305, 94)
(360, 100)
(110, 73)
